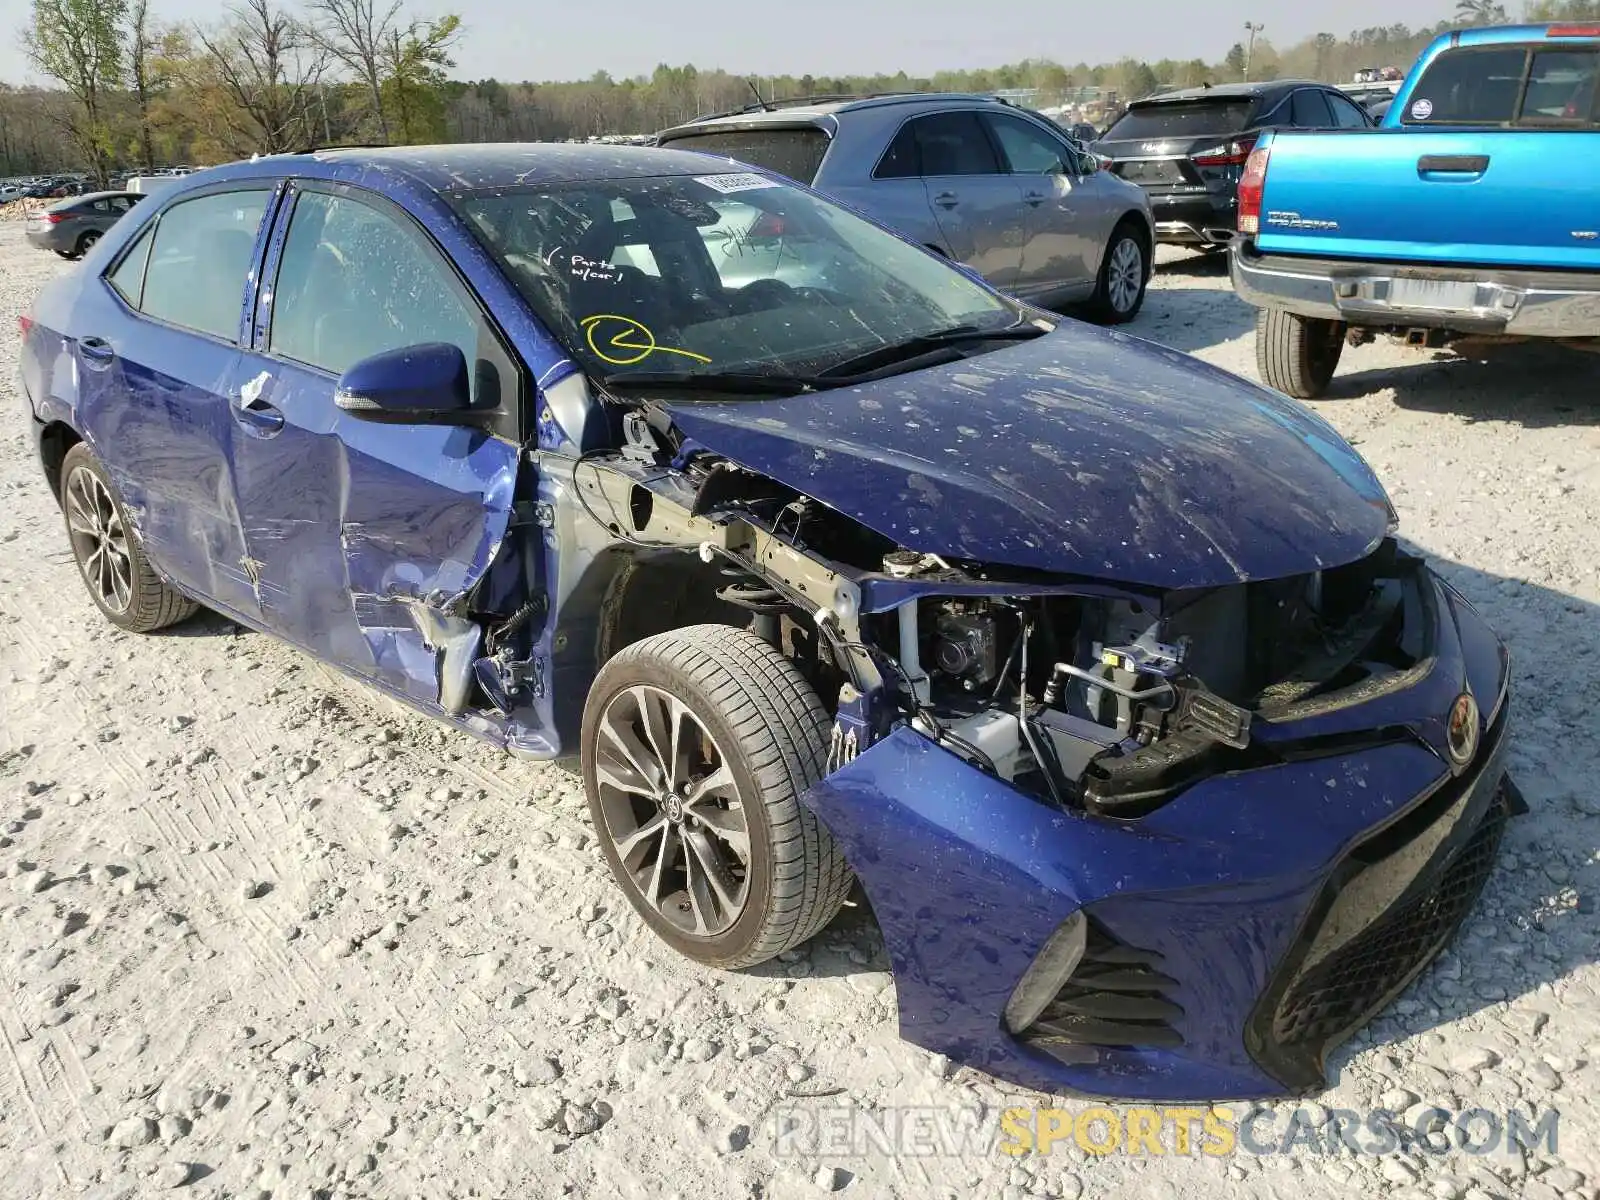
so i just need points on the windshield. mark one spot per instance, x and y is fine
(722, 273)
(1181, 119)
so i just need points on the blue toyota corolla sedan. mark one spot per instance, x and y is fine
(1162, 765)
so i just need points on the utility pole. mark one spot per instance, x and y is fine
(1252, 28)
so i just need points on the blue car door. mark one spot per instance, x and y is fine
(157, 351)
(370, 536)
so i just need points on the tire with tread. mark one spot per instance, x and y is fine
(1101, 308)
(154, 604)
(773, 732)
(1297, 355)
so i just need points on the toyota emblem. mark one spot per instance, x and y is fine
(1461, 731)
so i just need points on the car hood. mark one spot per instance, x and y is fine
(1086, 452)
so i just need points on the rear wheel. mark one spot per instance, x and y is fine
(1124, 275)
(696, 747)
(120, 580)
(87, 241)
(1297, 355)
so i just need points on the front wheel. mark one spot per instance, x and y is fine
(1124, 276)
(697, 744)
(1297, 355)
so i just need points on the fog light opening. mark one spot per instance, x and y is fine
(1048, 973)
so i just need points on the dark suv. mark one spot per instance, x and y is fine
(1187, 149)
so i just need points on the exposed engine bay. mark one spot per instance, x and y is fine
(1084, 693)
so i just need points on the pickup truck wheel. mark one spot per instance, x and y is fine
(1297, 355)
(121, 581)
(697, 744)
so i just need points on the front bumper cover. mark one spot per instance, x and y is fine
(1510, 303)
(1247, 892)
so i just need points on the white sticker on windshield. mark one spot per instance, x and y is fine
(1422, 109)
(728, 184)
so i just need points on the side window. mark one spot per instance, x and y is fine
(1277, 115)
(954, 143)
(1561, 87)
(355, 280)
(199, 261)
(1309, 110)
(1029, 150)
(128, 277)
(1470, 86)
(900, 160)
(120, 204)
(1346, 114)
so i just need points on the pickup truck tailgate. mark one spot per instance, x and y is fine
(1507, 197)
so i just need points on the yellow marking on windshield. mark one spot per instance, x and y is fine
(629, 335)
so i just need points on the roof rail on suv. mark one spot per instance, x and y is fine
(838, 98)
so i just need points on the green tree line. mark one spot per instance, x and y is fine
(132, 90)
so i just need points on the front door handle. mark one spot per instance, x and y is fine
(947, 200)
(1035, 198)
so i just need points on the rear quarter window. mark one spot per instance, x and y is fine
(793, 153)
(1181, 119)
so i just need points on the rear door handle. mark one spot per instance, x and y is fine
(1453, 164)
(1035, 198)
(97, 351)
(947, 200)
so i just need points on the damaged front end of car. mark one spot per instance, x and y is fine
(1125, 839)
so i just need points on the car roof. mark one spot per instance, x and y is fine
(1557, 32)
(1230, 91)
(454, 169)
(88, 197)
(788, 112)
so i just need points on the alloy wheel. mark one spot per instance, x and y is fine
(672, 810)
(99, 540)
(1126, 275)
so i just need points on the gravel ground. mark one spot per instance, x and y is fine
(264, 933)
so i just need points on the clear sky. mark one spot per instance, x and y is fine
(571, 39)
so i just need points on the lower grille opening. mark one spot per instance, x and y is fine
(1343, 990)
(1116, 997)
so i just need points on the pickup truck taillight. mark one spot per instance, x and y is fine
(1229, 154)
(1251, 186)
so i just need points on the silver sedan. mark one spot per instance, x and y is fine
(998, 188)
(71, 226)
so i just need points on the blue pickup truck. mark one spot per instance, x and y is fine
(1472, 213)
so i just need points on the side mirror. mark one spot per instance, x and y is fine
(417, 385)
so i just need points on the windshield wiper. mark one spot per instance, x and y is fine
(896, 352)
(720, 382)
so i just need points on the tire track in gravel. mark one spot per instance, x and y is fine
(24, 1092)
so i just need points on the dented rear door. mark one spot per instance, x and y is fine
(154, 356)
(369, 537)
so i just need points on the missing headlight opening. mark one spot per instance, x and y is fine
(1089, 696)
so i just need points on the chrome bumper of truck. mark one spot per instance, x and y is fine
(1546, 304)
